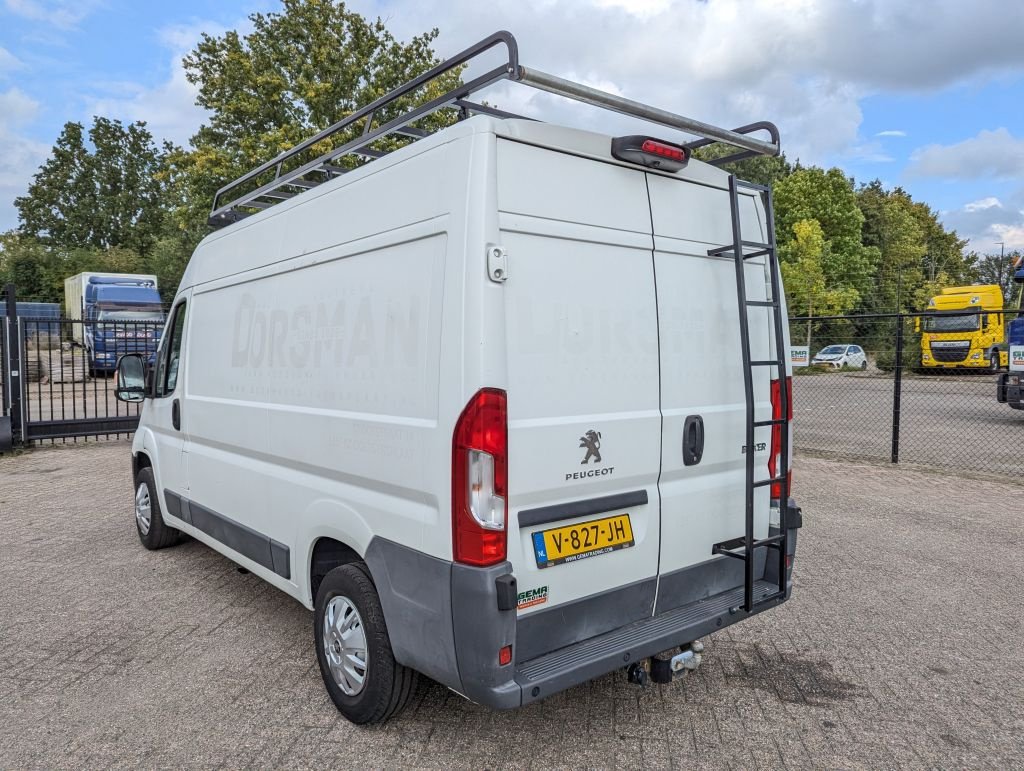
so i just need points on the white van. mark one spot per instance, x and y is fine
(505, 406)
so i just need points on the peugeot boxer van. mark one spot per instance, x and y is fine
(506, 406)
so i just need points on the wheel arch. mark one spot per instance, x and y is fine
(325, 554)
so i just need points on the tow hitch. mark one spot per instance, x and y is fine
(665, 666)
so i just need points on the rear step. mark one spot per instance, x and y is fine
(742, 548)
(583, 661)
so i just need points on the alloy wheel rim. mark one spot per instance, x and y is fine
(344, 641)
(143, 509)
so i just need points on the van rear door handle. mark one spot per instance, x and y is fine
(176, 415)
(693, 440)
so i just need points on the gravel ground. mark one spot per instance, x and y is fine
(901, 647)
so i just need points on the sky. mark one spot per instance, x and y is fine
(928, 96)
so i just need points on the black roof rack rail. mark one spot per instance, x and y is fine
(249, 192)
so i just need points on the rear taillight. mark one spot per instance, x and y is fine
(480, 480)
(776, 450)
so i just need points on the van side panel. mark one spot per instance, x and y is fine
(312, 385)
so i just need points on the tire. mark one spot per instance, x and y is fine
(347, 595)
(864, 364)
(154, 533)
(993, 361)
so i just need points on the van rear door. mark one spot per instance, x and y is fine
(583, 412)
(702, 381)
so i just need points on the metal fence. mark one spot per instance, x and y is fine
(57, 376)
(900, 404)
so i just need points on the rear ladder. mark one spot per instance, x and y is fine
(743, 548)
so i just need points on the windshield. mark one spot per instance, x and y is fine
(131, 316)
(951, 323)
(832, 350)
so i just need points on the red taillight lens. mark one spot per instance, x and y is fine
(505, 656)
(480, 480)
(776, 449)
(664, 150)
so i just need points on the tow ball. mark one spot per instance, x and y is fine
(667, 665)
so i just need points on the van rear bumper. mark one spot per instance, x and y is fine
(575, 664)
(445, 621)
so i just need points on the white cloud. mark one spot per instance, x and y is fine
(989, 154)
(982, 204)
(8, 61)
(168, 108)
(891, 133)
(21, 156)
(802, 64)
(989, 221)
(65, 14)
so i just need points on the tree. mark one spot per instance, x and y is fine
(100, 194)
(997, 269)
(761, 169)
(827, 197)
(807, 289)
(296, 73)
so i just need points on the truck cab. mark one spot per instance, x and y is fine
(119, 314)
(961, 332)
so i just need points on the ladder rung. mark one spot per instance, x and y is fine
(758, 253)
(305, 184)
(770, 598)
(734, 555)
(772, 422)
(757, 245)
(765, 363)
(762, 303)
(726, 547)
(770, 481)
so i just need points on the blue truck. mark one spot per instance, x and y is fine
(1010, 385)
(113, 314)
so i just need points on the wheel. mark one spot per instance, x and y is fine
(359, 670)
(993, 361)
(864, 364)
(149, 521)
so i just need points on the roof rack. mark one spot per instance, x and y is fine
(272, 182)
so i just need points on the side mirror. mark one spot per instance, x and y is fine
(131, 378)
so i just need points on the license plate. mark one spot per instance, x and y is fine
(587, 539)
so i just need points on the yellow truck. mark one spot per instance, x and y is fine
(962, 330)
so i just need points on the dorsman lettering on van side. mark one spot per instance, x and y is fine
(343, 333)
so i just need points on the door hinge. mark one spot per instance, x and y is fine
(497, 263)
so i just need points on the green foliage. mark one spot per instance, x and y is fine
(761, 169)
(101, 194)
(299, 71)
(997, 269)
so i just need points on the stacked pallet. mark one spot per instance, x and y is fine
(47, 360)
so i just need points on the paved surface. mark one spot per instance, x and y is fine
(949, 421)
(901, 647)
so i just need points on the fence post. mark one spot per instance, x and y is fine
(897, 389)
(14, 361)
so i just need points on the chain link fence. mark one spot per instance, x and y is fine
(906, 388)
